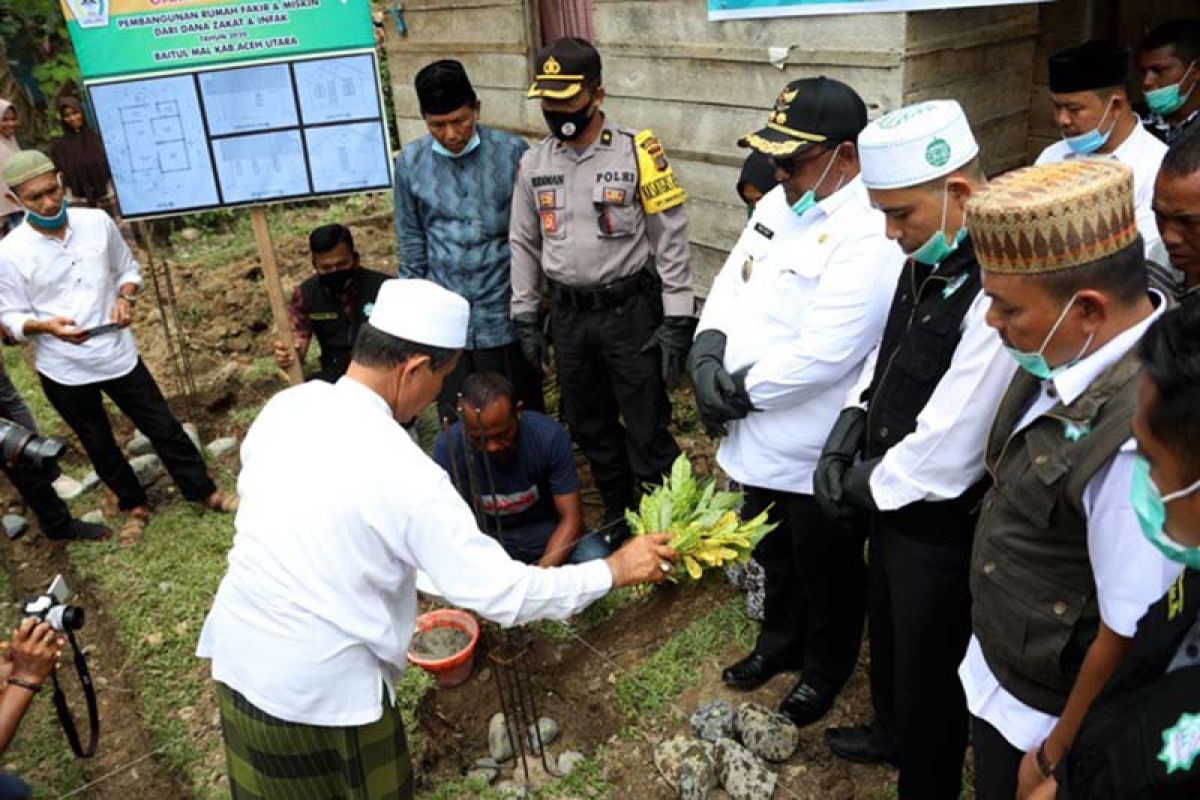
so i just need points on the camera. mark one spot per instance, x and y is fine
(52, 607)
(20, 446)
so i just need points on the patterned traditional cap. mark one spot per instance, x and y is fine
(1053, 217)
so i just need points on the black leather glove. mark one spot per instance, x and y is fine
(856, 486)
(673, 338)
(533, 340)
(720, 397)
(842, 445)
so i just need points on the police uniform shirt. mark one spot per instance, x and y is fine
(315, 613)
(1142, 153)
(943, 457)
(1130, 574)
(581, 218)
(801, 301)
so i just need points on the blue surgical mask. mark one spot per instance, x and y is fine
(937, 247)
(1035, 363)
(809, 198)
(49, 223)
(471, 145)
(1087, 143)
(1150, 507)
(1169, 99)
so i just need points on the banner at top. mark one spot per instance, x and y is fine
(756, 9)
(120, 37)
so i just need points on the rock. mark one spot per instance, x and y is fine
(95, 517)
(90, 481)
(481, 776)
(139, 445)
(568, 761)
(194, 434)
(742, 774)
(538, 774)
(14, 525)
(768, 735)
(147, 468)
(219, 447)
(713, 721)
(510, 791)
(190, 234)
(547, 729)
(688, 765)
(67, 488)
(500, 739)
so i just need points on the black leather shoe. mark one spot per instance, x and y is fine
(862, 744)
(77, 530)
(751, 672)
(805, 704)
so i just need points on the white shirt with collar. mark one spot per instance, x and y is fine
(1143, 153)
(78, 277)
(315, 614)
(801, 301)
(1130, 573)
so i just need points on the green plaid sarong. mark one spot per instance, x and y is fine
(271, 759)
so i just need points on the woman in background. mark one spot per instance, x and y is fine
(79, 156)
(10, 213)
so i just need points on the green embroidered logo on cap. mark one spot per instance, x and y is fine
(1181, 743)
(938, 153)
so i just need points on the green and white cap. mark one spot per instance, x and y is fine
(915, 144)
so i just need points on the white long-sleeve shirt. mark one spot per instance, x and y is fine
(1143, 153)
(801, 301)
(943, 456)
(78, 276)
(1130, 574)
(339, 509)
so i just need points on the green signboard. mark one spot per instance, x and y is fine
(122, 37)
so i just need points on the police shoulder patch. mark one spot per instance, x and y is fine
(658, 187)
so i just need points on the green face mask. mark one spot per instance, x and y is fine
(1168, 99)
(937, 247)
(1151, 509)
(1035, 363)
(809, 198)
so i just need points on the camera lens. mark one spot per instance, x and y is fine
(21, 446)
(65, 618)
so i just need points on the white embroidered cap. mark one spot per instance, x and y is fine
(421, 311)
(915, 144)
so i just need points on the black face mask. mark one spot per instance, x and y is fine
(335, 282)
(567, 126)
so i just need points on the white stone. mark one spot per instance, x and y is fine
(194, 434)
(768, 735)
(219, 447)
(139, 445)
(95, 517)
(568, 761)
(14, 525)
(67, 487)
(147, 468)
(90, 481)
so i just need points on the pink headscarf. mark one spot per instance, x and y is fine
(8, 146)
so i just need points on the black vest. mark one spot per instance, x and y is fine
(922, 331)
(335, 331)
(1116, 753)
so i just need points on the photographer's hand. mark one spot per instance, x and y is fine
(33, 653)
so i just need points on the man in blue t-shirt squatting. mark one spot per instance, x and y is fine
(533, 488)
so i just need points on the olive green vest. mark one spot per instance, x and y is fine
(1034, 608)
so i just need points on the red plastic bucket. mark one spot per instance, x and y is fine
(452, 670)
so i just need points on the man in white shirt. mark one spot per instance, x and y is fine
(69, 282)
(1091, 108)
(1061, 573)
(794, 312)
(311, 624)
(929, 394)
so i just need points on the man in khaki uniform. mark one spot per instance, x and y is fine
(599, 214)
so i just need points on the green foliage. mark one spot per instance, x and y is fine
(36, 30)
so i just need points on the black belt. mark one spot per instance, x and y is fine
(599, 298)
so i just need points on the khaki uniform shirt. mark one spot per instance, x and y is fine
(584, 219)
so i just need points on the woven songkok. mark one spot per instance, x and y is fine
(1053, 217)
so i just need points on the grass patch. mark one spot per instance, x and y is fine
(585, 781)
(593, 615)
(677, 664)
(39, 753)
(27, 384)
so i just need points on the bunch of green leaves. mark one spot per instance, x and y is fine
(703, 522)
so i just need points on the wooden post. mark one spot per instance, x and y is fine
(266, 255)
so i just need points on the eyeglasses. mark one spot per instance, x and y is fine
(790, 166)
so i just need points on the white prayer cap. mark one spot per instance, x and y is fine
(915, 144)
(420, 311)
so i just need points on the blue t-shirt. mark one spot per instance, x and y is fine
(542, 467)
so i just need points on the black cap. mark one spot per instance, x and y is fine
(1091, 65)
(443, 87)
(563, 67)
(809, 111)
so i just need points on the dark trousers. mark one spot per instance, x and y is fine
(919, 623)
(816, 589)
(509, 362)
(996, 762)
(32, 483)
(139, 398)
(613, 397)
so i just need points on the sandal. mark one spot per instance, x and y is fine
(221, 504)
(133, 528)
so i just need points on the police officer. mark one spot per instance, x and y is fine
(598, 212)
